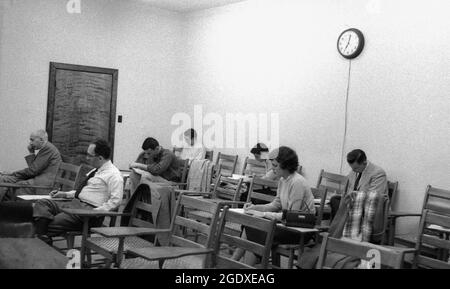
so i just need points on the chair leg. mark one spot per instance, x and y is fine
(70, 240)
(108, 264)
(89, 258)
(291, 258)
(275, 257)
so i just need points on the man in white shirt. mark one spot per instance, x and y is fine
(192, 149)
(103, 190)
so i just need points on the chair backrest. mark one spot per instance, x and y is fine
(143, 212)
(182, 224)
(359, 250)
(226, 164)
(320, 193)
(437, 200)
(334, 183)
(392, 193)
(200, 176)
(227, 189)
(439, 218)
(253, 167)
(209, 155)
(257, 183)
(67, 177)
(184, 170)
(223, 261)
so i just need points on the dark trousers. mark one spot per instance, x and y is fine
(60, 222)
(335, 201)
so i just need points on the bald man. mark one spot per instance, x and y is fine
(43, 163)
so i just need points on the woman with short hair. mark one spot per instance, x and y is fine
(293, 193)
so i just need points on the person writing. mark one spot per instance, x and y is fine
(293, 193)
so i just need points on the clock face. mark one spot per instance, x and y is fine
(350, 43)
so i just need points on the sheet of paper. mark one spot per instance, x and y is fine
(139, 171)
(40, 197)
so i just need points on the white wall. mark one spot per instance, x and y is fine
(142, 42)
(280, 56)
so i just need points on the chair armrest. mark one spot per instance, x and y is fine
(400, 249)
(397, 214)
(127, 231)
(93, 213)
(191, 192)
(229, 202)
(171, 184)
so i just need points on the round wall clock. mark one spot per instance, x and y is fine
(350, 43)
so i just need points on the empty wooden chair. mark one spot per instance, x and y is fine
(439, 217)
(360, 250)
(435, 200)
(229, 193)
(181, 251)
(334, 183)
(255, 194)
(223, 260)
(115, 241)
(226, 164)
(253, 167)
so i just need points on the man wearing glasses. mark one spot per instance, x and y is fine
(102, 190)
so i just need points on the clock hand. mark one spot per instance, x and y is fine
(348, 42)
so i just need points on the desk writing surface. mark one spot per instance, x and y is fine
(29, 253)
(280, 225)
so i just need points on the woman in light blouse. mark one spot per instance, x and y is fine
(293, 193)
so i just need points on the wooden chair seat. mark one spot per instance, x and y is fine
(186, 262)
(111, 244)
(139, 263)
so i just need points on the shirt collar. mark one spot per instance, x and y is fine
(289, 177)
(105, 166)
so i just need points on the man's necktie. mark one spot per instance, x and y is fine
(357, 181)
(84, 183)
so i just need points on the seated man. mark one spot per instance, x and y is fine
(192, 150)
(161, 166)
(365, 176)
(43, 163)
(102, 190)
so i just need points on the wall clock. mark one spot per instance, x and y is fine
(350, 43)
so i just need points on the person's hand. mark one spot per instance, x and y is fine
(30, 149)
(248, 206)
(58, 194)
(135, 165)
(349, 199)
(10, 179)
